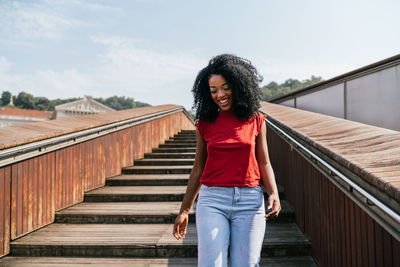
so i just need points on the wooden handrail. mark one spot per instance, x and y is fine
(48, 166)
(32, 149)
(336, 173)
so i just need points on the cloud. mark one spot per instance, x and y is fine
(281, 70)
(47, 19)
(124, 67)
(34, 20)
(131, 68)
(4, 65)
(49, 83)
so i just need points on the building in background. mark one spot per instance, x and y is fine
(15, 116)
(85, 106)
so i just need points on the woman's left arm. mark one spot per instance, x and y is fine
(267, 174)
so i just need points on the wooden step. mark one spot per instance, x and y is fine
(305, 261)
(141, 240)
(139, 193)
(138, 212)
(181, 141)
(189, 139)
(163, 162)
(122, 212)
(147, 179)
(136, 193)
(178, 145)
(181, 134)
(157, 170)
(169, 155)
(174, 150)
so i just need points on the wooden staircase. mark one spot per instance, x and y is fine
(128, 222)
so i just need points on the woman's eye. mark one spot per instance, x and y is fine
(227, 88)
(213, 92)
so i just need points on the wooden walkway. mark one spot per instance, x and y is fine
(370, 152)
(128, 222)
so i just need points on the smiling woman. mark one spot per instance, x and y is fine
(234, 75)
(231, 162)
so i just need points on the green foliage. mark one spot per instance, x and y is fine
(5, 98)
(42, 103)
(118, 102)
(28, 101)
(141, 104)
(25, 100)
(273, 89)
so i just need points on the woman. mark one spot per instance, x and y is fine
(231, 161)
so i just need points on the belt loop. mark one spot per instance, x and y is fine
(236, 195)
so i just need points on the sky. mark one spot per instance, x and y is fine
(152, 50)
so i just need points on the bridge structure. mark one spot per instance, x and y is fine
(104, 189)
(369, 95)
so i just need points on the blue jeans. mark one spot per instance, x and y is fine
(230, 216)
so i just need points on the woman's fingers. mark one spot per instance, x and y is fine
(179, 229)
(273, 210)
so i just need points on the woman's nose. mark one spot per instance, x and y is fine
(220, 93)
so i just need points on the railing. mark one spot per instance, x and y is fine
(368, 95)
(47, 166)
(342, 179)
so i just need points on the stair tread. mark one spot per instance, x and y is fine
(305, 261)
(125, 208)
(172, 154)
(150, 177)
(136, 208)
(284, 234)
(175, 149)
(172, 159)
(158, 167)
(143, 190)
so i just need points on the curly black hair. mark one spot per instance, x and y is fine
(240, 75)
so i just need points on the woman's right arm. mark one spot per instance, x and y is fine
(192, 190)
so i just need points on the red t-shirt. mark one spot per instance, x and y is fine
(231, 159)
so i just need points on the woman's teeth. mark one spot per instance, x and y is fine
(224, 102)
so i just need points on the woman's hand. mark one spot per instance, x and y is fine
(274, 206)
(180, 225)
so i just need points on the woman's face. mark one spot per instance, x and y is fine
(221, 92)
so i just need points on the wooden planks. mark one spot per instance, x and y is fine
(354, 145)
(39, 186)
(5, 207)
(32, 194)
(342, 234)
(156, 239)
(141, 262)
(27, 133)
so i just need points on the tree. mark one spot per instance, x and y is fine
(313, 80)
(42, 103)
(25, 100)
(273, 90)
(5, 98)
(139, 104)
(118, 102)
